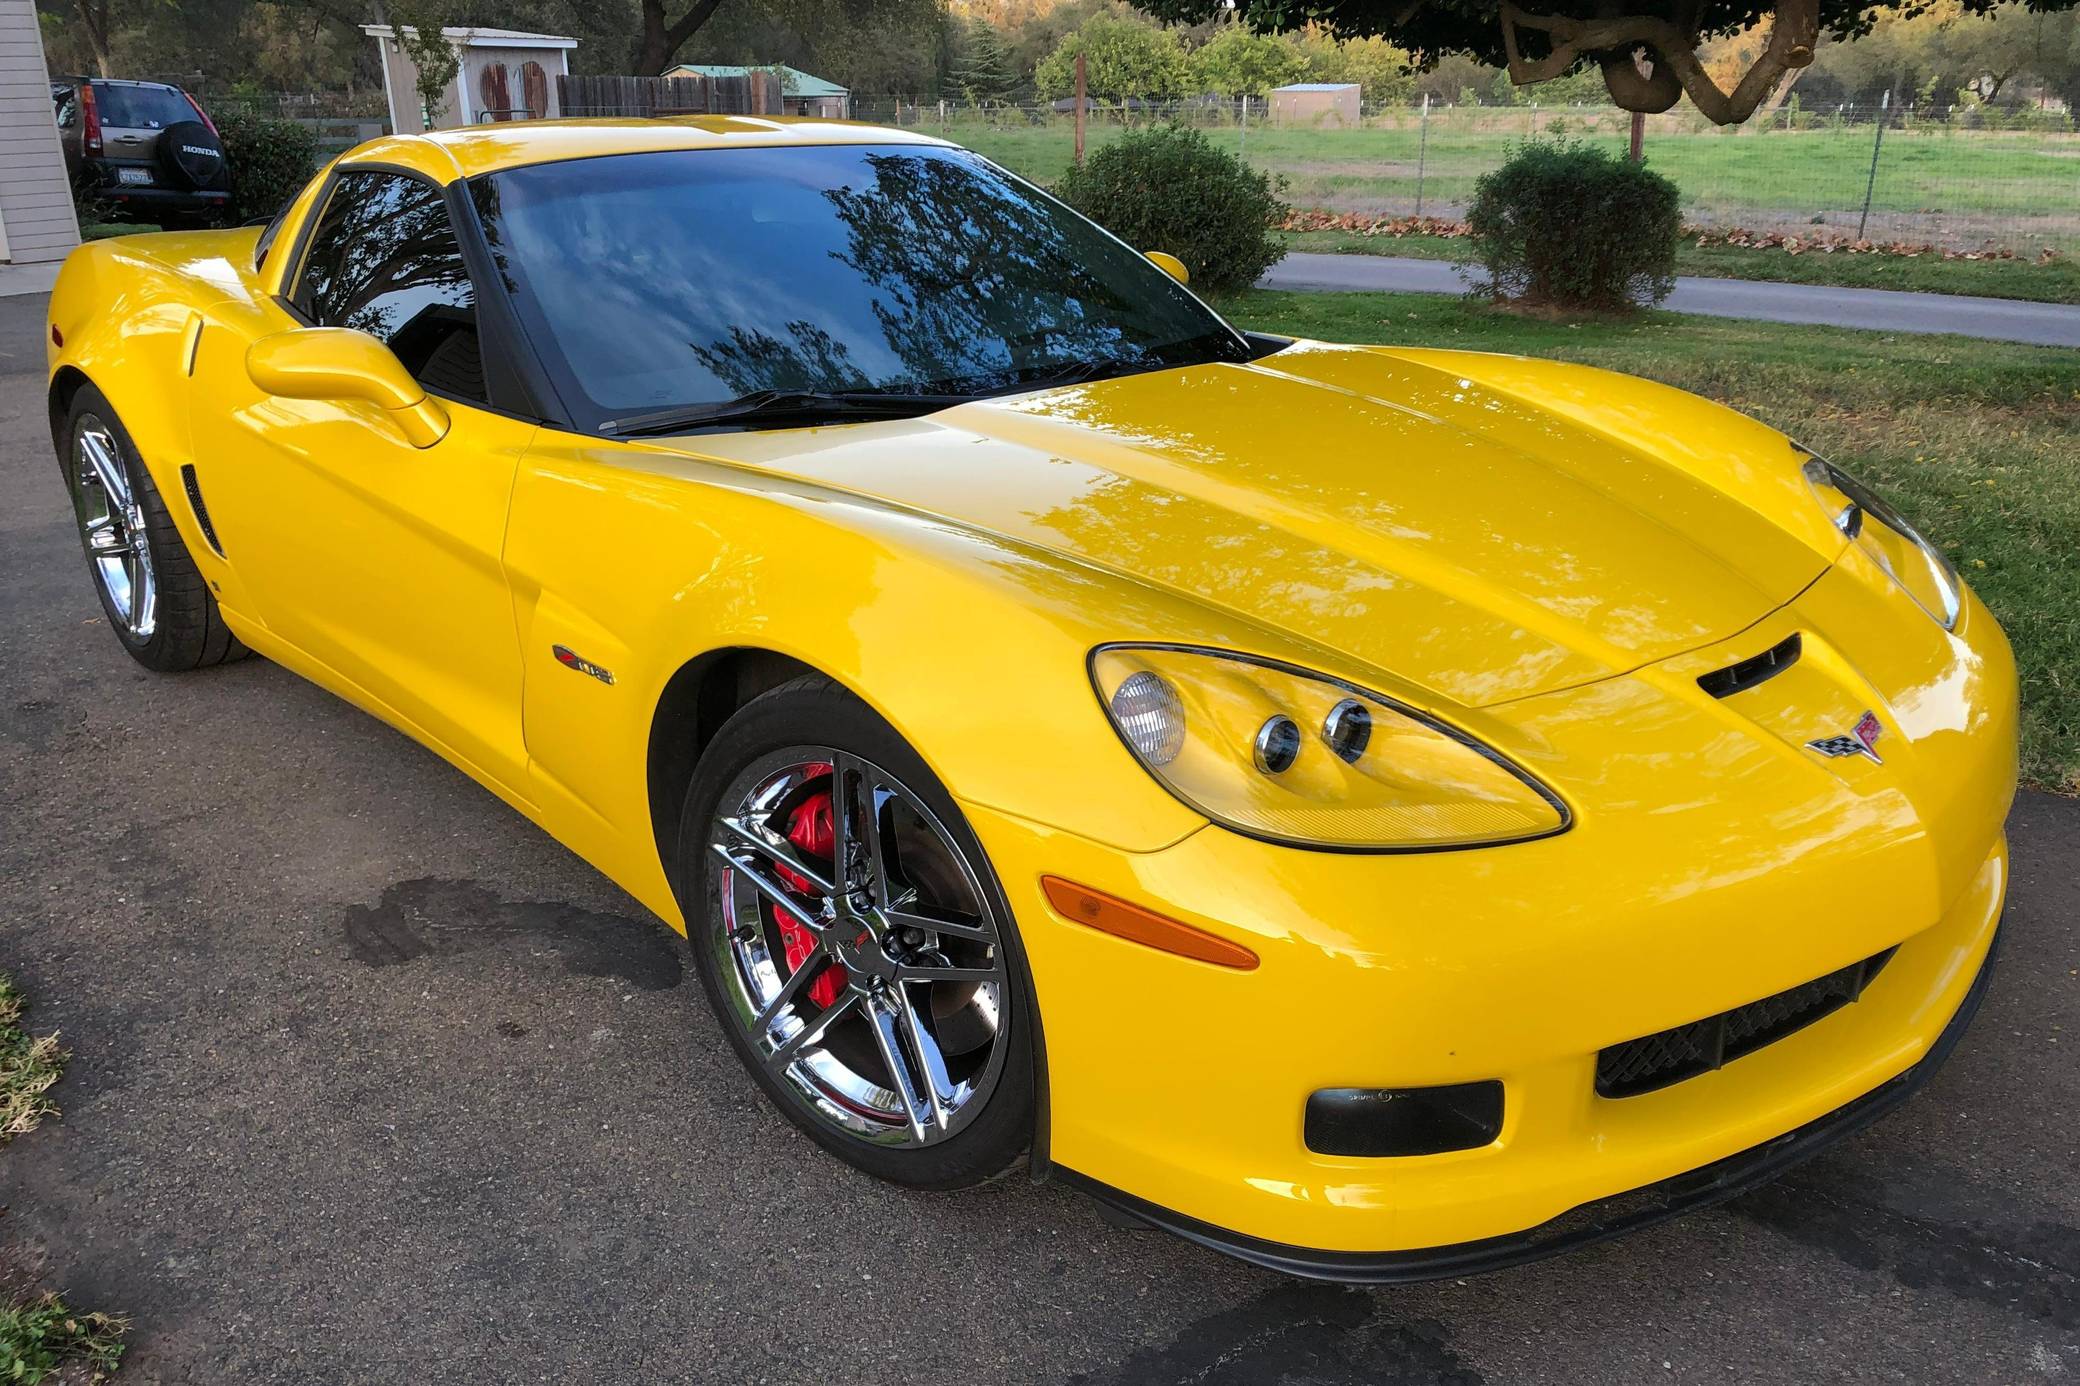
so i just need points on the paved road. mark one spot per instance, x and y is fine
(1880, 310)
(374, 1083)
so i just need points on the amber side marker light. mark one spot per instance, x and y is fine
(1137, 925)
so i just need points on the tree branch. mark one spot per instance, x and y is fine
(1613, 38)
(702, 11)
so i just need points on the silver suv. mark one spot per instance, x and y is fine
(144, 148)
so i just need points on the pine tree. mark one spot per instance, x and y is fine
(982, 72)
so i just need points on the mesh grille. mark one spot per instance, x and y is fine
(1657, 1060)
(193, 484)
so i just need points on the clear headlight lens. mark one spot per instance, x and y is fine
(1280, 753)
(1918, 566)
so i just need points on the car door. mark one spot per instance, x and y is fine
(378, 559)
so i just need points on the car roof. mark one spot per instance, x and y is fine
(445, 155)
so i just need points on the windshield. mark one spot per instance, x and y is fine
(139, 107)
(683, 279)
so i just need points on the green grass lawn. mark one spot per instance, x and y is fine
(2055, 282)
(1978, 442)
(1955, 187)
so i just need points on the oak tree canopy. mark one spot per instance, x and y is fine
(1647, 49)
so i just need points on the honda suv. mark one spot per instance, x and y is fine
(144, 148)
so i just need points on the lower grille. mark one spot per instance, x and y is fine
(1658, 1060)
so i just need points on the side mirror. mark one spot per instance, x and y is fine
(340, 363)
(1169, 264)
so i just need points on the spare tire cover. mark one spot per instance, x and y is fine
(191, 155)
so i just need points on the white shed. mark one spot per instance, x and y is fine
(504, 74)
(37, 225)
(1315, 103)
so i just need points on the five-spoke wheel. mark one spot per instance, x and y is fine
(855, 944)
(112, 526)
(157, 601)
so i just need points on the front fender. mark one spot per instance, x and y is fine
(122, 319)
(971, 646)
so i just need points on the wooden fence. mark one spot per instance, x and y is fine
(756, 93)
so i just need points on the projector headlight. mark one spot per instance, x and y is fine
(1296, 757)
(1918, 566)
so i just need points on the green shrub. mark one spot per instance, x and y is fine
(1571, 226)
(1168, 188)
(270, 161)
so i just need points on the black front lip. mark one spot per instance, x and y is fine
(1592, 1222)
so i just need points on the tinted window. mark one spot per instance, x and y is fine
(140, 108)
(68, 108)
(383, 260)
(661, 280)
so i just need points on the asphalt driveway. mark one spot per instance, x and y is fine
(1875, 310)
(373, 1082)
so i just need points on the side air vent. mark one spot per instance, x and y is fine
(1736, 678)
(195, 502)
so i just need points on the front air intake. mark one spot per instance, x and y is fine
(1658, 1060)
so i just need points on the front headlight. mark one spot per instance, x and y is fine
(1300, 758)
(1918, 566)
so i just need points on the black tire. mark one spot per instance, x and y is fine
(819, 711)
(188, 631)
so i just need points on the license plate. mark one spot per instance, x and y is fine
(133, 175)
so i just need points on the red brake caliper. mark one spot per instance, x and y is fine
(809, 829)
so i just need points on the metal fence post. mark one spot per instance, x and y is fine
(1871, 184)
(1242, 149)
(1422, 153)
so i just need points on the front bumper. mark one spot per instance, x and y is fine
(1714, 861)
(1594, 1222)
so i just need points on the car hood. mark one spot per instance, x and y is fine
(1485, 528)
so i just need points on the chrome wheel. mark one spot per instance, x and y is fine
(857, 947)
(112, 527)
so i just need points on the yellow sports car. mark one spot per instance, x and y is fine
(1382, 813)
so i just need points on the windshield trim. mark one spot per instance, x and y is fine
(585, 417)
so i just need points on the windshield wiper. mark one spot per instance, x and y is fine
(1193, 351)
(780, 408)
(1082, 373)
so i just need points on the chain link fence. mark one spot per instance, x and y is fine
(1961, 179)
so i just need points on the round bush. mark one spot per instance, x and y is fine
(1569, 226)
(270, 161)
(1167, 188)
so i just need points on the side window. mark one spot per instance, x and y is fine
(384, 260)
(68, 109)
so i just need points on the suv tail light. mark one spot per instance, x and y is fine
(200, 114)
(89, 120)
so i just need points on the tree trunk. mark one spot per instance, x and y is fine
(94, 19)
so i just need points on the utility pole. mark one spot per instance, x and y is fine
(1871, 185)
(1079, 108)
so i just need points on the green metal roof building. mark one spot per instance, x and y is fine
(800, 92)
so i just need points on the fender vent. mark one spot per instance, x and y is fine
(1736, 678)
(195, 502)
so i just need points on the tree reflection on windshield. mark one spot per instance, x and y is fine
(810, 359)
(959, 251)
(687, 277)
